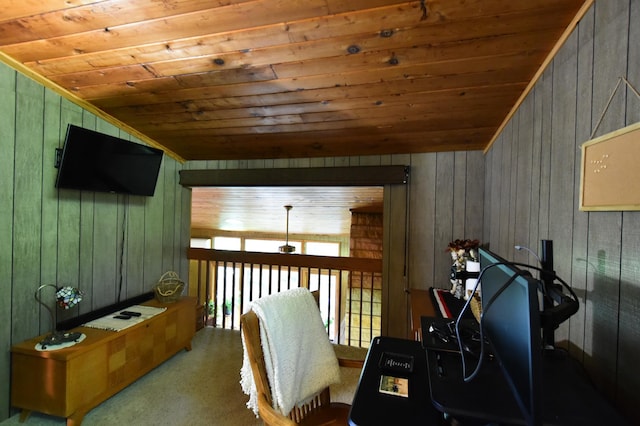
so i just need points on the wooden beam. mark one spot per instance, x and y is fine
(314, 176)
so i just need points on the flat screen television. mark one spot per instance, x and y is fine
(511, 322)
(93, 161)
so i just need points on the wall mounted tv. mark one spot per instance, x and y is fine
(93, 161)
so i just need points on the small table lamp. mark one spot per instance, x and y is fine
(66, 298)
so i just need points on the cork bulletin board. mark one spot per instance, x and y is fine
(610, 173)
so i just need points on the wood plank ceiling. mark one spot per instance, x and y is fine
(315, 210)
(249, 79)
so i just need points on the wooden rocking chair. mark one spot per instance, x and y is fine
(319, 411)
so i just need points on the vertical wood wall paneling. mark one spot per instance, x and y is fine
(86, 223)
(185, 231)
(153, 228)
(489, 192)
(444, 228)
(513, 188)
(182, 219)
(27, 224)
(67, 237)
(422, 186)
(169, 217)
(628, 383)
(459, 194)
(523, 181)
(597, 252)
(562, 171)
(133, 209)
(73, 262)
(7, 147)
(180, 240)
(495, 193)
(500, 188)
(106, 239)
(601, 339)
(610, 61)
(50, 211)
(374, 160)
(629, 346)
(546, 92)
(341, 162)
(506, 193)
(128, 251)
(536, 172)
(474, 194)
(49, 217)
(580, 266)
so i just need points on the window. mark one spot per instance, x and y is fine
(322, 249)
(227, 243)
(269, 246)
(201, 243)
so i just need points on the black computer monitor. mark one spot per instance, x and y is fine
(511, 322)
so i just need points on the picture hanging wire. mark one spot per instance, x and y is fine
(606, 107)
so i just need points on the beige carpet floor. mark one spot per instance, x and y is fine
(200, 387)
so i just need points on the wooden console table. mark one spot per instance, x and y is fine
(70, 382)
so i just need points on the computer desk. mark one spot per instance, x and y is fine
(568, 398)
(569, 401)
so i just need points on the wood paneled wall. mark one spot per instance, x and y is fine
(532, 187)
(90, 240)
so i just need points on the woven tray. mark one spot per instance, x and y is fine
(169, 288)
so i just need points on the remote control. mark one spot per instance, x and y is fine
(124, 317)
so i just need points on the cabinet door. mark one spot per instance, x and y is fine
(38, 384)
(164, 334)
(87, 378)
(186, 324)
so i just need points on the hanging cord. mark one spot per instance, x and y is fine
(407, 233)
(123, 240)
(481, 330)
(606, 107)
(488, 305)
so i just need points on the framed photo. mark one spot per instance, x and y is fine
(610, 176)
(398, 386)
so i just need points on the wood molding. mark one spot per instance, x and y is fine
(295, 260)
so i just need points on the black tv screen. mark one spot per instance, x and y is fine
(93, 161)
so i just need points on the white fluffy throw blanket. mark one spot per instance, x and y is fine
(299, 358)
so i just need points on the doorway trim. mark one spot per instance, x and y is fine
(313, 176)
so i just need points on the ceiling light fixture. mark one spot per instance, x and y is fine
(286, 248)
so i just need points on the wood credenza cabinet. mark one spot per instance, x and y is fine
(70, 382)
